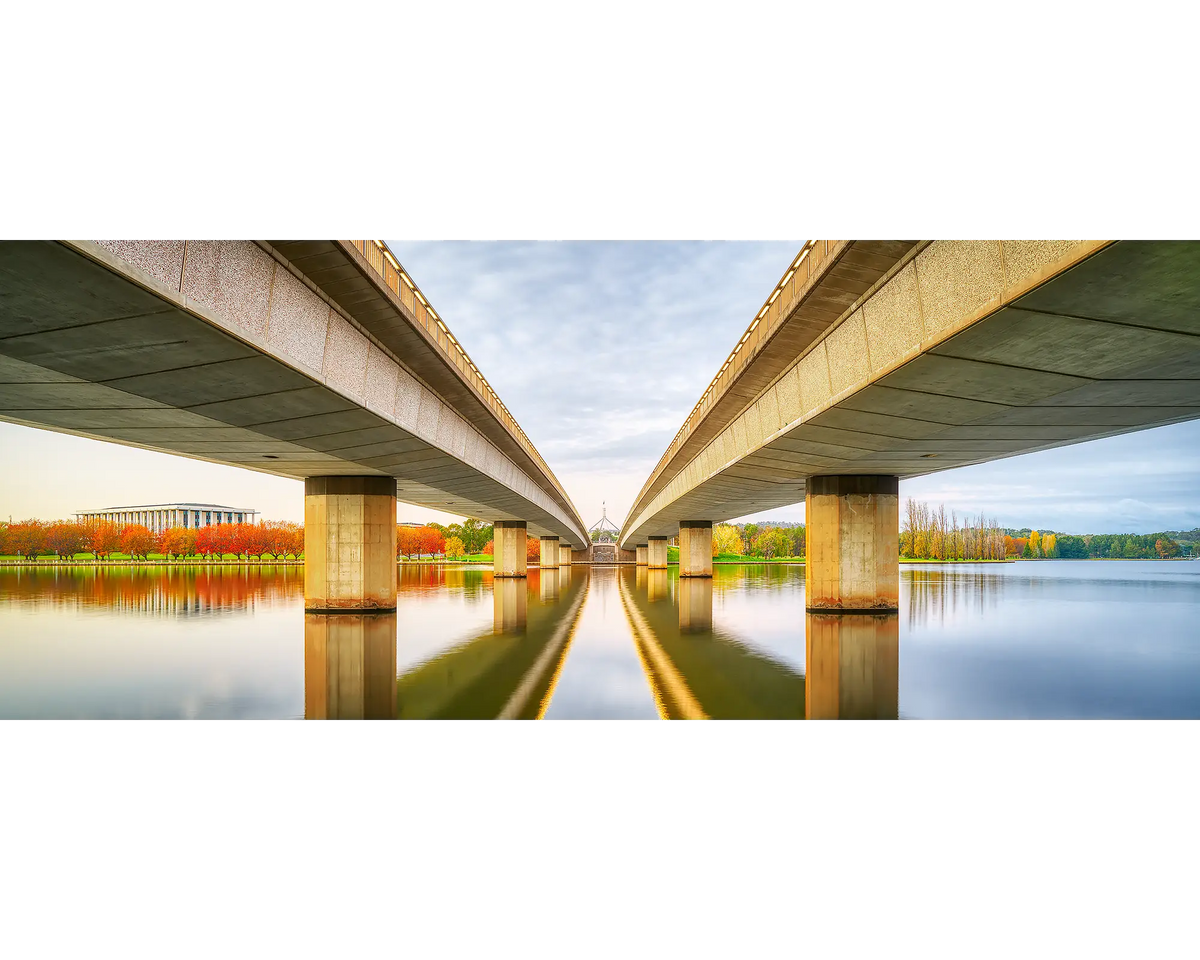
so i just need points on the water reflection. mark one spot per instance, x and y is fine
(1052, 639)
(510, 671)
(510, 605)
(695, 604)
(349, 666)
(852, 666)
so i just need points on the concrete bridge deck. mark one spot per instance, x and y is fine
(313, 359)
(903, 358)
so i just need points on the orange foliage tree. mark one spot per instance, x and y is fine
(533, 549)
(103, 538)
(136, 541)
(177, 542)
(65, 538)
(27, 538)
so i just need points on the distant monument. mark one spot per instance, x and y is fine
(604, 531)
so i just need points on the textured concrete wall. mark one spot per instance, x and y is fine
(852, 666)
(350, 543)
(548, 558)
(350, 666)
(640, 554)
(695, 548)
(564, 555)
(509, 546)
(853, 560)
(656, 553)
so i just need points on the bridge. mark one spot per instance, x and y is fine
(318, 360)
(872, 361)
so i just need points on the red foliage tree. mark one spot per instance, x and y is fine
(533, 549)
(430, 540)
(177, 542)
(489, 548)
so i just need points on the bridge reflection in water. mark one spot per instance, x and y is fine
(695, 668)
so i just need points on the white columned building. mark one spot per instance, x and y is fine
(158, 517)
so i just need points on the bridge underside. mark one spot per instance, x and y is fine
(1109, 346)
(86, 350)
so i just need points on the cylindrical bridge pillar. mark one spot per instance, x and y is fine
(853, 561)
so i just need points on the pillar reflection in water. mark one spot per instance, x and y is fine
(852, 666)
(350, 666)
(656, 585)
(548, 586)
(640, 578)
(695, 604)
(510, 605)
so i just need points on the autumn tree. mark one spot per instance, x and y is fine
(103, 539)
(726, 539)
(1166, 547)
(27, 538)
(455, 548)
(65, 538)
(177, 542)
(533, 549)
(489, 548)
(136, 541)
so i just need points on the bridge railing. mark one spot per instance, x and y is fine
(396, 279)
(775, 310)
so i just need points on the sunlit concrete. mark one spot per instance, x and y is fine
(564, 556)
(509, 548)
(656, 553)
(349, 543)
(549, 555)
(293, 358)
(695, 548)
(852, 666)
(350, 666)
(640, 553)
(853, 543)
(658, 585)
(932, 355)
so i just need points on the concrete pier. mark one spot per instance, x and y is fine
(656, 553)
(695, 548)
(853, 561)
(350, 666)
(640, 552)
(564, 556)
(349, 544)
(508, 548)
(852, 666)
(549, 554)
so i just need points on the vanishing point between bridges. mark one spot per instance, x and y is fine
(868, 362)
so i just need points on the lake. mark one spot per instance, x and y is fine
(1079, 639)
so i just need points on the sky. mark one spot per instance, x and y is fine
(600, 350)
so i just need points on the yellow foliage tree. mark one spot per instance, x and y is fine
(1035, 543)
(726, 539)
(455, 548)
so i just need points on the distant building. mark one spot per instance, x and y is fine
(160, 516)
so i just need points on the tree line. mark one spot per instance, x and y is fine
(769, 540)
(928, 534)
(66, 539)
(1030, 544)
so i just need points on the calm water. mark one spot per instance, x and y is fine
(1047, 639)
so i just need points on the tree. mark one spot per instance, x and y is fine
(136, 541)
(1035, 544)
(1166, 548)
(726, 539)
(407, 541)
(65, 538)
(455, 548)
(1049, 545)
(430, 539)
(103, 538)
(177, 542)
(533, 549)
(27, 538)
(489, 548)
